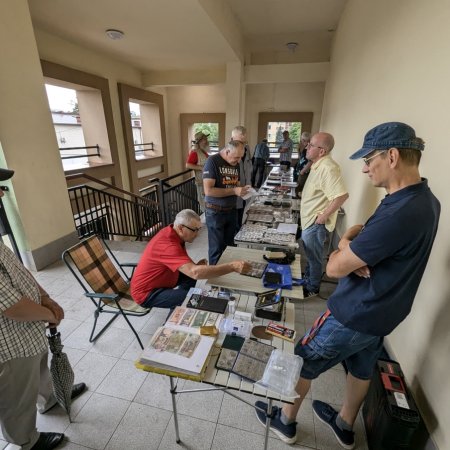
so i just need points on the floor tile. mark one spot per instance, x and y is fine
(134, 349)
(96, 422)
(155, 391)
(113, 342)
(123, 381)
(329, 387)
(194, 434)
(202, 405)
(93, 368)
(141, 428)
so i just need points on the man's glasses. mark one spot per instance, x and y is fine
(367, 160)
(194, 230)
(309, 144)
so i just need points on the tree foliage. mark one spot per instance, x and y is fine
(208, 128)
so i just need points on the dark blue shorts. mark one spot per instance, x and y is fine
(335, 343)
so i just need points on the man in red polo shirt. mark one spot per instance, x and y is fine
(166, 272)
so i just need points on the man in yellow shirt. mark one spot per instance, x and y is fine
(323, 194)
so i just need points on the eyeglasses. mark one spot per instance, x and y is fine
(309, 144)
(367, 160)
(194, 230)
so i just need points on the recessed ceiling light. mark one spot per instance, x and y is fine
(115, 34)
(292, 46)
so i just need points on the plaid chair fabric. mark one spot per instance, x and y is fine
(101, 275)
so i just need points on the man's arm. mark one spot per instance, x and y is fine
(212, 191)
(343, 262)
(193, 166)
(201, 272)
(331, 208)
(26, 310)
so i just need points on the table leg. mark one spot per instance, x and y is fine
(268, 417)
(173, 393)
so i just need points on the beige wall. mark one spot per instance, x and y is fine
(57, 50)
(28, 138)
(188, 99)
(282, 97)
(390, 62)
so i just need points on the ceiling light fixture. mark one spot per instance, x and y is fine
(292, 46)
(114, 34)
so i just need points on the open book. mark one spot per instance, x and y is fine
(177, 347)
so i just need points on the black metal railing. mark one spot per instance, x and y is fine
(109, 211)
(140, 151)
(176, 193)
(122, 213)
(85, 155)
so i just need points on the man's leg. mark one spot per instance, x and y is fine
(254, 171)
(355, 393)
(302, 388)
(313, 239)
(166, 298)
(46, 399)
(261, 167)
(216, 233)
(19, 386)
(230, 221)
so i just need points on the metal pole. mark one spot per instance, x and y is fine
(268, 417)
(173, 393)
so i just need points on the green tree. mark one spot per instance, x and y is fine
(208, 128)
(295, 132)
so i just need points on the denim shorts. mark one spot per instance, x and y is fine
(335, 343)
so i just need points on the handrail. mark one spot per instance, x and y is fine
(74, 176)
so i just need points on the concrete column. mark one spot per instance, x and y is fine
(38, 203)
(235, 97)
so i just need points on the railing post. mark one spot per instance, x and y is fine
(162, 203)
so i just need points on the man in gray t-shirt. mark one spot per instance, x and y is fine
(222, 187)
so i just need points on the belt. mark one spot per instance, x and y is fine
(219, 208)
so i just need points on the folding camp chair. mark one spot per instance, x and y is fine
(104, 281)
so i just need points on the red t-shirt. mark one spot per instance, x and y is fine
(192, 158)
(159, 264)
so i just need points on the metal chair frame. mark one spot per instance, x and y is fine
(101, 299)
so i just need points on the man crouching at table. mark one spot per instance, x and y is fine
(165, 272)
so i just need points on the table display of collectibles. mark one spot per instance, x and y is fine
(228, 381)
(271, 216)
(246, 284)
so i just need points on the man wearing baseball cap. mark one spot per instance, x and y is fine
(379, 265)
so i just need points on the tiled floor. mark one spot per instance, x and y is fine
(126, 408)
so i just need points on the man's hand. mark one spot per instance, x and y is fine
(321, 219)
(241, 191)
(241, 266)
(57, 311)
(363, 272)
(203, 262)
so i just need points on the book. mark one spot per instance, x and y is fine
(256, 269)
(178, 346)
(191, 320)
(205, 303)
(174, 351)
(280, 331)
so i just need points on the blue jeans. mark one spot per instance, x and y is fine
(335, 343)
(313, 239)
(259, 166)
(170, 297)
(221, 231)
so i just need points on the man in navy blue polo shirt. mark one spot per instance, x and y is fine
(379, 265)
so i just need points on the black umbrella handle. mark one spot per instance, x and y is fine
(53, 331)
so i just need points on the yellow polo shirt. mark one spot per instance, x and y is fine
(323, 185)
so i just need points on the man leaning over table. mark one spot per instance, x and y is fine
(165, 272)
(379, 265)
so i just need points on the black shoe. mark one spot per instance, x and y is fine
(47, 441)
(327, 414)
(308, 294)
(77, 390)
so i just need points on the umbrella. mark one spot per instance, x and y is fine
(61, 371)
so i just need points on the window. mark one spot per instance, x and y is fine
(211, 129)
